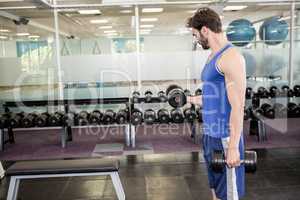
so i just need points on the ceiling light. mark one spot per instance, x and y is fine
(145, 30)
(126, 6)
(105, 27)
(112, 34)
(125, 11)
(147, 26)
(33, 36)
(234, 8)
(22, 34)
(111, 31)
(4, 30)
(89, 12)
(152, 10)
(17, 7)
(149, 19)
(99, 21)
(287, 18)
(3, 37)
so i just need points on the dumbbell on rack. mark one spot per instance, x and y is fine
(162, 96)
(136, 117)
(297, 90)
(14, 120)
(56, 119)
(268, 111)
(177, 115)
(163, 116)
(274, 91)
(293, 110)
(148, 96)
(286, 91)
(249, 93)
(42, 120)
(109, 116)
(122, 116)
(28, 120)
(95, 117)
(176, 96)
(82, 119)
(190, 114)
(262, 92)
(135, 96)
(218, 162)
(149, 116)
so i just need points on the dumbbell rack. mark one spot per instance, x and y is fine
(66, 131)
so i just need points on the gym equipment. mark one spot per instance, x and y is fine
(95, 117)
(82, 118)
(262, 92)
(274, 31)
(293, 110)
(297, 90)
(149, 116)
(286, 91)
(135, 96)
(249, 93)
(163, 116)
(176, 96)
(28, 120)
(268, 111)
(280, 110)
(136, 117)
(240, 32)
(190, 114)
(199, 114)
(3, 121)
(109, 116)
(274, 91)
(247, 113)
(26, 170)
(14, 120)
(56, 119)
(255, 101)
(42, 120)
(162, 96)
(258, 113)
(187, 92)
(148, 96)
(218, 162)
(122, 116)
(198, 92)
(177, 115)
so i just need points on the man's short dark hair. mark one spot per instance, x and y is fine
(205, 17)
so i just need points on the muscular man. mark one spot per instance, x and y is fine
(224, 83)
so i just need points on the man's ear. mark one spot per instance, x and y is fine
(204, 31)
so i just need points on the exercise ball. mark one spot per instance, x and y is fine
(240, 32)
(250, 62)
(273, 31)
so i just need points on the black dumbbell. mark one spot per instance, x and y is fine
(149, 116)
(122, 116)
(29, 120)
(255, 101)
(163, 116)
(95, 117)
(247, 113)
(135, 96)
(56, 119)
(148, 96)
(258, 113)
(280, 110)
(249, 93)
(190, 114)
(286, 91)
(14, 120)
(293, 110)
(42, 120)
(176, 96)
(187, 92)
(109, 116)
(82, 119)
(297, 90)
(199, 114)
(262, 92)
(268, 111)
(136, 117)
(3, 121)
(198, 92)
(218, 162)
(274, 91)
(177, 115)
(162, 96)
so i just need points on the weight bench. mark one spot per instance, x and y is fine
(63, 168)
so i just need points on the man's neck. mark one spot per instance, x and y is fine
(217, 42)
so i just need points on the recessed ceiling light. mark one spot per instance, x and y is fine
(33, 36)
(149, 19)
(22, 34)
(145, 30)
(17, 7)
(4, 30)
(3, 37)
(105, 27)
(126, 6)
(234, 8)
(99, 21)
(111, 31)
(152, 10)
(125, 11)
(112, 34)
(89, 12)
(147, 26)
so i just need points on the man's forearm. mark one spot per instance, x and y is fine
(236, 126)
(196, 100)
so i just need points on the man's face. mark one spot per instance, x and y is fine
(200, 38)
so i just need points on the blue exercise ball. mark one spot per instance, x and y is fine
(240, 32)
(250, 62)
(274, 31)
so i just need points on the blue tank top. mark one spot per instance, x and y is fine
(216, 107)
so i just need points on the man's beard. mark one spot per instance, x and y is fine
(204, 44)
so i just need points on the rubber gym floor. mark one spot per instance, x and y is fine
(171, 177)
